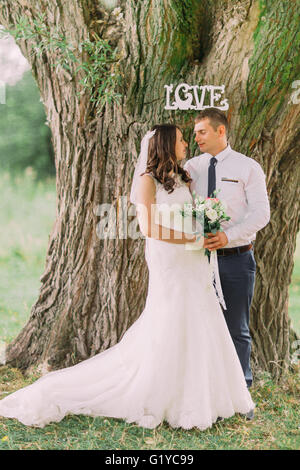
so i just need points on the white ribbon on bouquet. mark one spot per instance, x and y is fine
(216, 277)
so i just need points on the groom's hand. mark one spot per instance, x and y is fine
(215, 241)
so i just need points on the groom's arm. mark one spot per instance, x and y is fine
(258, 213)
(257, 216)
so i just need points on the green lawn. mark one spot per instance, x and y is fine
(27, 215)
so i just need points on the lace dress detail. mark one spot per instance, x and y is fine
(176, 363)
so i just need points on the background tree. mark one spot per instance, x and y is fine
(101, 74)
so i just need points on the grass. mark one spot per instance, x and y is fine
(27, 215)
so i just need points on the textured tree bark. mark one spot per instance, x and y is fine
(92, 290)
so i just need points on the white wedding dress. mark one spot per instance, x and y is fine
(176, 363)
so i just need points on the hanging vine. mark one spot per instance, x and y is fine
(100, 68)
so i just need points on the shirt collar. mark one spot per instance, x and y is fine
(223, 154)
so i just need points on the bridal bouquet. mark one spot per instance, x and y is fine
(208, 212)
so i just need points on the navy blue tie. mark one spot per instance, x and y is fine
(212, 177)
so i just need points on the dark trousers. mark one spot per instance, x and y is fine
(237, 275)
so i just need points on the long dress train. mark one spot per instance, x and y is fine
(176, 363)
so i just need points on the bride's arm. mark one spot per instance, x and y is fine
(146, 203)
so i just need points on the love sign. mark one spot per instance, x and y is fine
(194, 96)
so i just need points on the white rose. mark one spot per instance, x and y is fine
(212, 214)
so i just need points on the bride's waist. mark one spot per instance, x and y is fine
(163, 256)
(165, 245)
(162, 243)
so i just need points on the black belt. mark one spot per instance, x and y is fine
(234, 251)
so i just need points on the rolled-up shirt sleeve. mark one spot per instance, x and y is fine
(258, 211)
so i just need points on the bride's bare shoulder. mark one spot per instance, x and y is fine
(147, 175)
(148, 179)
(146, 189)
(147, 183)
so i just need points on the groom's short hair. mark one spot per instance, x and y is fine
(215, 116)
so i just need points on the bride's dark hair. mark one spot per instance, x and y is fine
(161, 156)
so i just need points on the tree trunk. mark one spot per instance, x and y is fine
(92, 289)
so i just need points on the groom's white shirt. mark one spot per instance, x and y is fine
(246, 195)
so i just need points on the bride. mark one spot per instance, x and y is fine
(177, 362)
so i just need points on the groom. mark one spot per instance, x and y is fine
(241, 182)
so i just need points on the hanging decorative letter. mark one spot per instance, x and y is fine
(192, 100)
